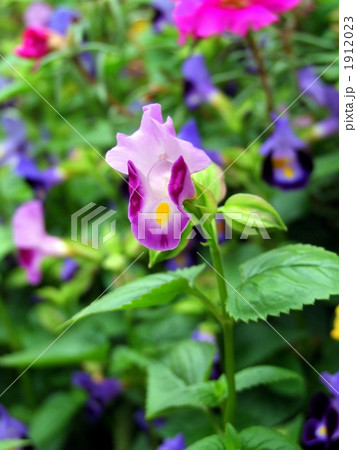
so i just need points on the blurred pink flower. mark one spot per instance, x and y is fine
(204, 18)
(32, 241)
(35, 43)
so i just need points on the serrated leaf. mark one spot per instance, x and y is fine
(152, 290)
(282, 280)
(262, 375)
(246, 212)
(261, 438)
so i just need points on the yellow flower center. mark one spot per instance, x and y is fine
(322, 431)
(234, 3)
(162, 213)
(284, 164)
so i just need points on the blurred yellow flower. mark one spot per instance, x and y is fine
(335, 334)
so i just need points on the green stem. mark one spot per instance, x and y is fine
(263, 74)
(14, 340)
(227, 326)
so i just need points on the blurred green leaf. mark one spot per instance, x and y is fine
(54, 416)
(73, 347)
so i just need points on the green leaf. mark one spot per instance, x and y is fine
(208, 443)
(54, 416)
(156, 256)
(73, 347)
(231, 438)
(262, 375)
(152, 290)
(282, 280)
(6, 241)
(246, 212)
(211, 178)
(179, 382)
(191, 360)
(14, 443)
(261, 438)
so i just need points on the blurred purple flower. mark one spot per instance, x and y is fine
(324, 95)
(175, 443)
(198, 87)
(101, 392)
(142, 423)
(11, 428)
(321, 431)
(15, 144)
(332, 382)
(287, 164)
(163, 14)
(62, 18)
(204, 336)
(38, 14)
(189, 132)
(69, 269)
(32, 241)
(40, 180)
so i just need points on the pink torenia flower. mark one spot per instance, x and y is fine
(35, 43)
(159, 166)
(32, 241)
(204, 18)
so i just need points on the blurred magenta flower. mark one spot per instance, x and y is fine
(40, 180)
(175, 443)
(35, 43)
(204, 18)
(46, 30)
(162, 14)
(159, 166)
(198, 87)
(321, 431)
(323, 95)
(101, 392)
(11, 428)
(189, 132)
(32, 241)
(16, 144)
(287, 164)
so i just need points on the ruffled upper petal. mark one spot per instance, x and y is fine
(154, 141)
